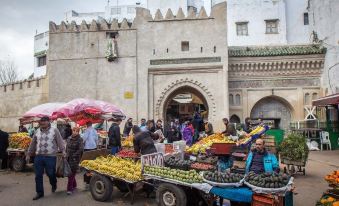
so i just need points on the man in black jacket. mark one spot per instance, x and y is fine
(115, 136)
(3, 147)
(128, 127)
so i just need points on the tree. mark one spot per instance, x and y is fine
(8, 72)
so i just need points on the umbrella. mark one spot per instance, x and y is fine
(39, 111)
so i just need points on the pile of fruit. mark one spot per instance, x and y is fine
(328, 201)
(180, 175)
(250, 137)
(205, 143)
(115, 166)
(267, 180)
(174, 162)
(202, 166)
(128, 142)
(19, 141)
(127, 154)
(226, 177)
(169, 148)
(333, 178)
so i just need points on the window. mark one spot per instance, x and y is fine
(131, 10)
(185, 46)
(271, 26)
(201, 49)
(237, 99)
(314, 96)
(306, 20)
(231, 102)
(214, 49)
(37, 83)
(242, 29)
(307, 99)
(167, 50)
(111, 35)
(115, 11)
(29, 84)
(41, 61)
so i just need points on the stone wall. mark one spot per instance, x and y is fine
(17, 98)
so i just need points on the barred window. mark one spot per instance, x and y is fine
(242, 28)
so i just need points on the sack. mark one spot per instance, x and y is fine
(67, 169)
(59, 167)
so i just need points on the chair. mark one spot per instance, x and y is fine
(325, 140)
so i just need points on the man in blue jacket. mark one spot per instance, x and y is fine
(260, 161)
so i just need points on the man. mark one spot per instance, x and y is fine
(230, 130)
(247, 125)
(198, 125)
(114, 136)
(90, 137)
(22, 128)
(143, 142)
(143, 125)
(128, 127)
(3, 148)
(158, 126)
(260, 161)
(45, 144)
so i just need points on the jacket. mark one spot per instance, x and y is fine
(143, 143)
(74, 151)
(127, 128)
(3, 144)
(114, 135)
(270, 162)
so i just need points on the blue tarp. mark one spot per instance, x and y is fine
(241, 194)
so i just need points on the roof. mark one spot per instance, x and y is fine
(328, 100)
(235, 51)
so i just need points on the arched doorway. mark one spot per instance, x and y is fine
(234, 119)
(183, 102)
(273, 109)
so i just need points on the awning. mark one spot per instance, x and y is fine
(325, 101)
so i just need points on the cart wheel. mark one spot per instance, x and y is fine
(101, 188)
(170, 195)
(18, 164)
(122, 186)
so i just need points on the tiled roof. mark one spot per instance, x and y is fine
(275, 50)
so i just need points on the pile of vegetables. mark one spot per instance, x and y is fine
(294, 148)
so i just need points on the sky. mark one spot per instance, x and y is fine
(21, 19)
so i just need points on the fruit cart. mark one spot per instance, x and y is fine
(16, 159)
(294, 167)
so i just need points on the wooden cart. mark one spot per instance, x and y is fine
(294, 167)
(16, 159)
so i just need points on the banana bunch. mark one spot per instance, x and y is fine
(115, 166)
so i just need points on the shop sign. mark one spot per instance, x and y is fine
(128, 95)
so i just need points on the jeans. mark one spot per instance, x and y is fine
(47, 164)
(115, 150)
(72, 183)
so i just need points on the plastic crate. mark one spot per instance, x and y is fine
(267, 200)
(222, 148)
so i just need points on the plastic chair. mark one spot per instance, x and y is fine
(325, 140)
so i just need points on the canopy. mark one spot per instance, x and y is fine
(328, 100)
(41, 110)
(83, 110)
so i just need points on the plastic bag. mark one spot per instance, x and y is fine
(59, 167)
(67, 169)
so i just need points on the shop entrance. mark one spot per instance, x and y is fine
(183, 103)
(273, 110)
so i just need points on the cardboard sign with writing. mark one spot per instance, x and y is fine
(155, 159)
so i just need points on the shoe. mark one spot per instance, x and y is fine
(54, 188)
(69, 192)
(38, 196)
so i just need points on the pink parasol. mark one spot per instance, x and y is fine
(39, 111)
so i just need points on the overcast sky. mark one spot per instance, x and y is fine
(20, 19)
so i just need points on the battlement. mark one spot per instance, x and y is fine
(142, 15)
(22, 85)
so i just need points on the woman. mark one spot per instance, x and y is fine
(74, 151)
(208, 129)
(143, 141)
(188, 133)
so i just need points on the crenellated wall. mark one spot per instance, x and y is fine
(19, 97)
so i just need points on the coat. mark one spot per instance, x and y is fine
(114, 135)
(3, 144)
(74, 149)
(270, 162)
(143, 143)
(127, 128)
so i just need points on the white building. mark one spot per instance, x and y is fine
(324, 23)
(40, 53)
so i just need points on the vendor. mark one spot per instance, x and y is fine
(230, 129)
(143, 141)
(260, 161)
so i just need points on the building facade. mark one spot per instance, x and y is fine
(141, 66)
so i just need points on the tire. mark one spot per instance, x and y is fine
(101, 188)
(170, 195)
(122, 186)
(18, 164)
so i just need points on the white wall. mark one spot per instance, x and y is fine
(256, 12)
(297, 32)
(41, 42)
(324, 21)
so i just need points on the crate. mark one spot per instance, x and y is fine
(267, 200)
(222, 148)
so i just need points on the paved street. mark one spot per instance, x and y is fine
(18, 188)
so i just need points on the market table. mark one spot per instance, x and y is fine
(239, 194)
